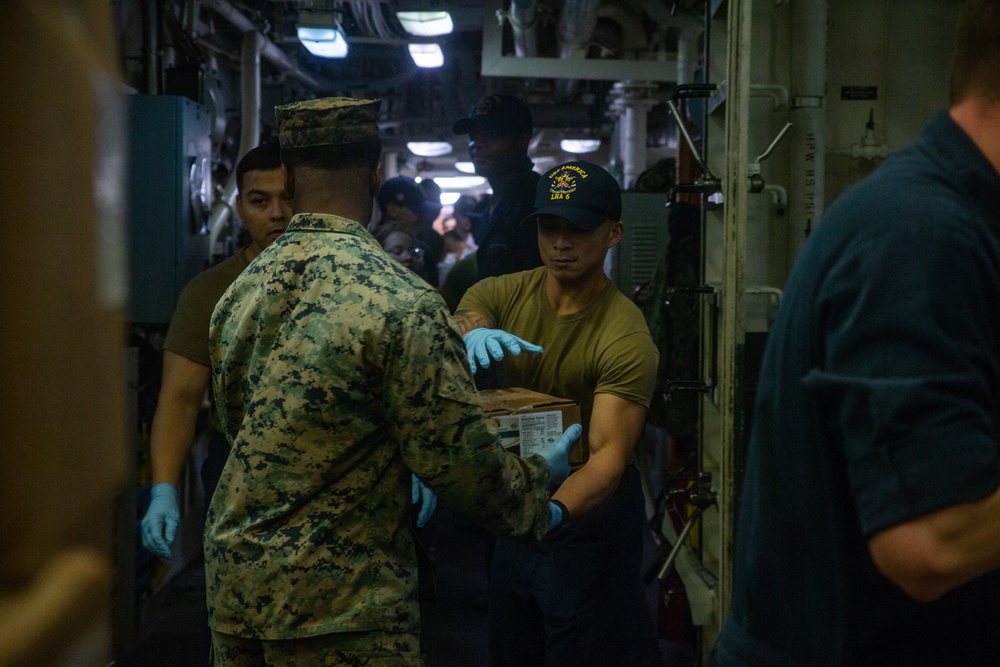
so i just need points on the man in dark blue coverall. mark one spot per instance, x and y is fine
(869, 531)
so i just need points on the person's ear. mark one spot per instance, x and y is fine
(375, 180)
(615, 233)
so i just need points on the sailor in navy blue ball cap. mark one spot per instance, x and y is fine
(581, 192)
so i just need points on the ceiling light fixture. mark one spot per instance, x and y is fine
(459, 182)
(426, 24)
(580, 145)
(466, 167)
(320, 32)
(426, 55)
(429, 148)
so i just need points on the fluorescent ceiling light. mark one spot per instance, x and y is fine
(459, 182)
(449, 198)
(466, 167)
(323, 42)
(426, 24)
(580, 145)
(426, 55)
(429, 148)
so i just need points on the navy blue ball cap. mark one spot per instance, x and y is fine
(403, 191)
(500, 114)
(581, 192)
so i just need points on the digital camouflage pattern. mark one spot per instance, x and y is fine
(327, 121)
(337, 372)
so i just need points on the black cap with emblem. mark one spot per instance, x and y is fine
(581, 192)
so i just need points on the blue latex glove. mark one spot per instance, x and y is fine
(428, 501)
(556, 455)
(555, 517)
(484, 344)
(160, 523)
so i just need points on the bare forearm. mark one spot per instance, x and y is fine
(589, 486)
(182, 389)
(933, 554)
(171, 437)
(615, 427)
(468, 320)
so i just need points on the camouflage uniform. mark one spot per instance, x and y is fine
(337, 372)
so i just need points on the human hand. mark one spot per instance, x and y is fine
(483, 344)
(557, 455)
(428, 501)
(555, 516)
(160, 523)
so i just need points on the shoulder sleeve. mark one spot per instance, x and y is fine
(485, 298)
(628, 368)
(907, 368)
(444, 436)
(188, 331)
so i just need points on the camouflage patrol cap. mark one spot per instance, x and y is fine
(328, 121)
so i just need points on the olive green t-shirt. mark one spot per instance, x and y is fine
(603, 348)
(188, 332)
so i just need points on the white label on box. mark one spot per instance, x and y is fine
(539, 430)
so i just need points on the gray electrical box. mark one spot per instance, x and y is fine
(644, 240)
(169, 198)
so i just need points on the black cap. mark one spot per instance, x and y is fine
(468, 206)
(500, 114)
(402, 191)
(581, 192)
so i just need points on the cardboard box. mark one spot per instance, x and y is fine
(530, 420)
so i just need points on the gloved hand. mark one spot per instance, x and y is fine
(555, 516)
(483, 344)
(556, 455)
(160, 522)
(428, 501)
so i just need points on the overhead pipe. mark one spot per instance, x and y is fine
(269, 51)
(633, 29)
(687, 55)
(576, 24)
(522, 17)
(250, 53)
(633, 100)
(807, 113)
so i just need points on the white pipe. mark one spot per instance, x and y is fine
(779, 196)
(777, 93)
(633, 143)
(808, 115)
(249, 132)
(687, 55)
(270, 51)
(390, 165)
(522, 23)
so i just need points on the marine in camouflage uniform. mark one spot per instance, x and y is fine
(337, 372)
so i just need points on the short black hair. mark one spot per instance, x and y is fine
(335, 157)
(264, 157)
(975, 65)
